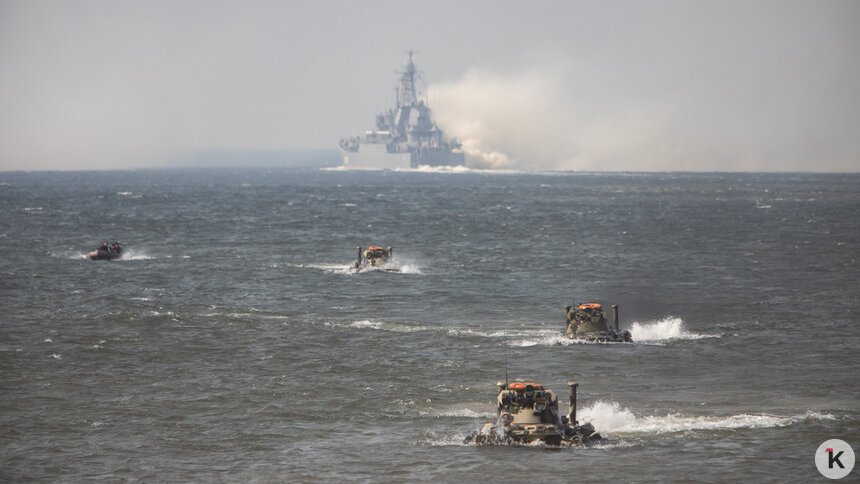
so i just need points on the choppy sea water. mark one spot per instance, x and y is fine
(232, 343)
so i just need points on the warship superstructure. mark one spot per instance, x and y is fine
(405, 136)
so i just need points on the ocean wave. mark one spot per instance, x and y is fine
(611, 418)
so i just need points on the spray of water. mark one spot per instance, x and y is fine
(666, 329)
(610, 418)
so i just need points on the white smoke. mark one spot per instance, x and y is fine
(591, 117)
(535, 121)
(503, 122)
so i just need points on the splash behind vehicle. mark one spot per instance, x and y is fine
(528, 413)
(587, 321)
(405, 136)
(375, 258)
(106, 252)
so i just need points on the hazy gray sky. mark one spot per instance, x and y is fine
(583, 85)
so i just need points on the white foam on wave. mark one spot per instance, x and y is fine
(610, 417)
(383, 326)
(669, 328)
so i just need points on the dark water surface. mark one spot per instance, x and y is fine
(232, 343)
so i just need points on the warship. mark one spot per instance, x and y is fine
(587, 321)
(405, 136)
(528, 413)
(375, 258)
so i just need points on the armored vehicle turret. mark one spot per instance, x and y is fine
(587, 321)
(527, 413)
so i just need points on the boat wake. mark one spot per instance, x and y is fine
(615, 422)
(131, 254)
(127, 254)
(611, 419)
(383, 326)
(396, 267)
(656, 333)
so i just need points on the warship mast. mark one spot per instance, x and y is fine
(407, 95)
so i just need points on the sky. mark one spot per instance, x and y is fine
(635, 85)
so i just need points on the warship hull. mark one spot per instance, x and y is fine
(377, 157)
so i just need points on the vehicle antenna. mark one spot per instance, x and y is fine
(505, 333)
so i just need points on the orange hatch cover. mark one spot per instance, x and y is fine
(590, 306)
(522, 386)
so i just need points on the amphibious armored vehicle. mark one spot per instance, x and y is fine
(375, 258)
(528, 412)
(587, 321)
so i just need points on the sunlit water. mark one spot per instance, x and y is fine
(233, 342)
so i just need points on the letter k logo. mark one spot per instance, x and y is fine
(831, 458)
(834, 459)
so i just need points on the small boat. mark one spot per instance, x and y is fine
(374, 259)
(106, 252)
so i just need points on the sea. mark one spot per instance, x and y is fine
(233, 342)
